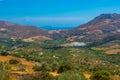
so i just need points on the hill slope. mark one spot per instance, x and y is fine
(100, 28)
(105, 27)
(11, 30)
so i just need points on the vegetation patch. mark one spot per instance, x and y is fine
(98, 49)
(13, 61)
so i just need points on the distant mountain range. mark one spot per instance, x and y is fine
(103, 27)
(56, 28)
(12, 30)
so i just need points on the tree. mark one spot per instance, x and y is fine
(101, 75)
(36, 68)
(71, 75)
(65, 67)
(4, 53)
(3, 74)
(13, 61)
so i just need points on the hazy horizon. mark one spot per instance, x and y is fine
(54, 13)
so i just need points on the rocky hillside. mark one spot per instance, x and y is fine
(11, 30)
(103, 27)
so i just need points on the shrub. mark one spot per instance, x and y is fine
(42, 76)
(101, 75)
(46, 76)
(46, 68)
(65, 67)
(7, 67)
(4, 53)
(71, 75)
(36, 68)
(21, 69)
(1, 65)
(3, 74)
(13, 61)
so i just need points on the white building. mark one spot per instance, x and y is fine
(77, 44)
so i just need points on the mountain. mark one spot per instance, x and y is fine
(103, 27)
(12, 30)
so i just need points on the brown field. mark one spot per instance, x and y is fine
(32, 39)
(113, 51)
(23, 62)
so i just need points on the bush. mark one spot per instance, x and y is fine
(13, 61)
(101, 75)
(36, 68)
(3, 74)
(71, 75)
(46, 76)
(65, 67)
(4, 53)
(21, 69)
(7, 67)
(44, 68)
(1, 65)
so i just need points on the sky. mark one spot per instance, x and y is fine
(56, 13)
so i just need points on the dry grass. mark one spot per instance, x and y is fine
(32, 39)
(54, 73)
(87, 75)
(27, 64)
(113, 51)
(71, 38)
(23, 62)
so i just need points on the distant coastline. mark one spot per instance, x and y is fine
(56, 28)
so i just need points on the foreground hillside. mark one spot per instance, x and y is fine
(57, 63)
(22, 68)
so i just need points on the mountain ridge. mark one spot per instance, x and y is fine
(9, 30)
(99, 28)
